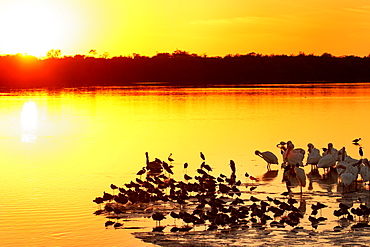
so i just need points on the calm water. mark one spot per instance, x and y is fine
(61, 149)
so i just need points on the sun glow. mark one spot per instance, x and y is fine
(33, 27)
(29, 121)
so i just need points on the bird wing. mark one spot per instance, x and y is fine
(270, 157)
(327, 161)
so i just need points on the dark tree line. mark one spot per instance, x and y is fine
(180, 68)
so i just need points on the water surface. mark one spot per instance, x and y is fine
(61, 149)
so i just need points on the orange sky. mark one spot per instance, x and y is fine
(215, 28)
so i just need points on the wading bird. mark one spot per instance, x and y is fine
(301, 176)
(169, 158)
(361, 152)
(232, 166)
(269, 157)
(153, 166)
(202, 156)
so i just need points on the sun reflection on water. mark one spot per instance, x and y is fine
(29, 121)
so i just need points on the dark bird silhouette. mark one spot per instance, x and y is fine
(254, 199)
(169, 158)
(232, 166)
(153, 166)
(175, 229)
(207, 167)
(187, 177)
(113, 187)
(98, 200)
(361, 152)
(186, 165)
(117, 225)
(167, 168)
(200, 171)
(141, 172)
(107, 196)
(175, 216)
(99, 212)
(158, 216)
(158, 228)
(185, 228)
(109, 223)
(356, 140)
(318, 206)
(202, 156)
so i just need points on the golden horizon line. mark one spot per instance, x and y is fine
(57, 53)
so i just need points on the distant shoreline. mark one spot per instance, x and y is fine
(181, 69)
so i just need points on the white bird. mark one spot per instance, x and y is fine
(365, 170)
(292, 156)
(327, 161)
(301, 176)
(294, 176)
(341, 167)
(269, 157)
(348, 176)
(351, 173)
(313, 155)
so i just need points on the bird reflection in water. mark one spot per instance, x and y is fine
(270, 175)
(326, 181)
(294, 176)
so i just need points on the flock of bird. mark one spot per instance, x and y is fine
(349, 169)
(217, 203)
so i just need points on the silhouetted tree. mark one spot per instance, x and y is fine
(53, 53)
(180, 68)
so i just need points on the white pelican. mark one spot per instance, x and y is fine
(329, 157)
(351, 172)
(293, 156)
(301, 176)
(313, 155)
(269, 157)
(348, 176)
(294, 176)
(365, 170)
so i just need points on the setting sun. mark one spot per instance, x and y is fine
(214, 28)
(33, 27)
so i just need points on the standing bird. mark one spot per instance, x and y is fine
(202, 156)
(113, 187)
(232, 166)
(269, 157)
(158, 216)
(187, 177)
(153, 166)
(313, 155)
(361, 152)
(169, 158)
(301, 176)
(365, 170)
(185, 168)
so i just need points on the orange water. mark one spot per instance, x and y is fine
(61, 149)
